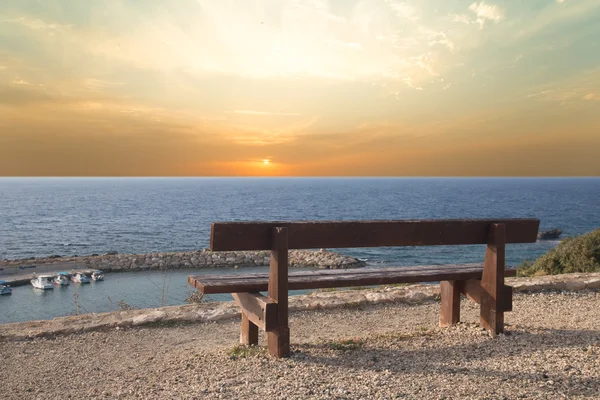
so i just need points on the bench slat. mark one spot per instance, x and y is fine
(344, 234)
(258, 282)
(333, 272)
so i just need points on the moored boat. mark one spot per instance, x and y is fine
(43, 282)
(80, 277)
(62, 279)
(5, 288)
(97, 275)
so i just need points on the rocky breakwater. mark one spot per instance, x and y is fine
(113, 262)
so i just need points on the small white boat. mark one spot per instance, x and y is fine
(5, 288)
(62, 279)
(97, 275)
(80, 277)
(43, 282)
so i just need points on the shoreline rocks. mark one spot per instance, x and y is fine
(551, 234)
(317, 300)
(114, 262)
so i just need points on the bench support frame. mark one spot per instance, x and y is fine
(493, 296)
(270, 313)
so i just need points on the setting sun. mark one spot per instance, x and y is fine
(266, 162)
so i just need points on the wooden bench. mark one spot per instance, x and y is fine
(483, 284)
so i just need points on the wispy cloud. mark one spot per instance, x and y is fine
(263, 113)
(486, 12)
(404, 10)
(576, 89)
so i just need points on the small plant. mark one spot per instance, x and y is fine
(124, 306)
(346, 345)
(241, 351)
(398, 284)
(353, 306)
(195, 297)
(331, 289)
(76, 302)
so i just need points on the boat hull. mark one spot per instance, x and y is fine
(42, 287)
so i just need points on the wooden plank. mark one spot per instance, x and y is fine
(260, 310)
(349, 275)
(278, 339)
(216, 278)
(450, 294)
(473, 290)
(210, 284)
(342, 234)
(507, 297)
(492, 281)
(249, 332)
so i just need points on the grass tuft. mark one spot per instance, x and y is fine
(346, 345)
(241, 351)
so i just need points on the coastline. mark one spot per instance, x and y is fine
(19, 272)
(318, 300)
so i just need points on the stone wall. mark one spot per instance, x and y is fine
(111, 262)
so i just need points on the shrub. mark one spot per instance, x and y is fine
(578, 254)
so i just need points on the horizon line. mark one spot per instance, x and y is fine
(289, 177)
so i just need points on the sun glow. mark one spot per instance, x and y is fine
(266, 162)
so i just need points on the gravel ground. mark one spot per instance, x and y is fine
(551, 350)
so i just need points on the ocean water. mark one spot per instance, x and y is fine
(68, 216)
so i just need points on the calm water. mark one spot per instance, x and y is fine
(68, 216)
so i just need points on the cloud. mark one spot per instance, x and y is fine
(404, 10)
(486, 12)
(344, 45)
(578, 88)
(423, 61)
(38, 24)
(462, 18)
(555, 14)
(263, 113)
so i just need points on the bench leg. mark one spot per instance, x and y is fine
(493, 295)
(249, 333)
(450, 293)
(278, 342)
(278, 339)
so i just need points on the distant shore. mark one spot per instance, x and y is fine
(20, 271)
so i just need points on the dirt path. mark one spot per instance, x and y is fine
(552, 351)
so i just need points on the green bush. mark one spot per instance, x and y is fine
(578, 254)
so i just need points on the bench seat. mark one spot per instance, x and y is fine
(336, 278)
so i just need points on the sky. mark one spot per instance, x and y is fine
(299, 88)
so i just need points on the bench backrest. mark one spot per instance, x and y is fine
(227, 236)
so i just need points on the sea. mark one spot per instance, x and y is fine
(80, 216)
